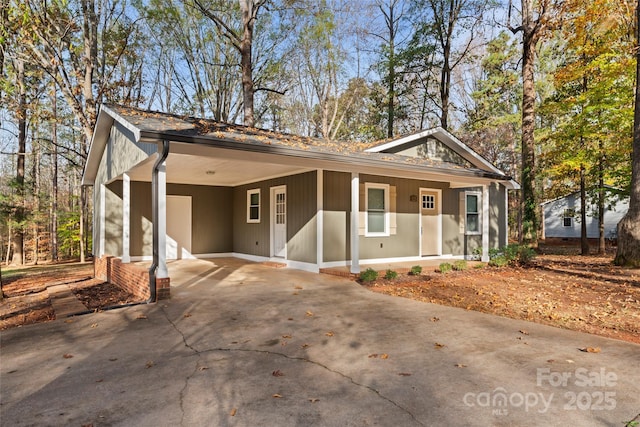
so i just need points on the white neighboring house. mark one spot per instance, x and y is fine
(561, 216)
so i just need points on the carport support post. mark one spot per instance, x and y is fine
(355, 223)
(485, 223)
(102, 221)
(126, 210)
(161, 217)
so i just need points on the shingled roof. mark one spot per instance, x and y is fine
(158, 125)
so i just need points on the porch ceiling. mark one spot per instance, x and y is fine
(208, 170)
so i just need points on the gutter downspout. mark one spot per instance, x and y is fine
(154, 213)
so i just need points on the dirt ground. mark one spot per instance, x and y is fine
(587, 294)
(581, 293)
(26, 299)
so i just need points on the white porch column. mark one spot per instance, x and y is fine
(126, 217)
(485, 223)
(355, 223)
(504, 241)
(319, 217)
(161, 189)
(102, 220)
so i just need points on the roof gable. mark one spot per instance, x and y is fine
(458, 152)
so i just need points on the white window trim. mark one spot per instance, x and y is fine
(387, 189)
(249, 194)
(480, 219)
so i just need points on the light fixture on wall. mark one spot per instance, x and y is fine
(210, 172)
(413, 198)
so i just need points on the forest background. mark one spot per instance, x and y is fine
(542, 89)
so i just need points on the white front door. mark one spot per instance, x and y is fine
(279, 221)
(178, 227)
(430, 222)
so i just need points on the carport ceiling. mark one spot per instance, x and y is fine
(204, 170)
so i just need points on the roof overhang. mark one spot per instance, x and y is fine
(204, 159)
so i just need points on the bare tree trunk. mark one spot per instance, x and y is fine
(584, 241)
(249, 12)
(36, 202)
(601, 199)
(533, 25)
(9, 243)
(628, 252)
(54, 185)
(529, 170)
(18, 238)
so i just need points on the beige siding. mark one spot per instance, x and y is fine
(337, 208)
(254, 238)
(211, 218)
(113, 219)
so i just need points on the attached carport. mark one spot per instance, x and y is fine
(164, 150)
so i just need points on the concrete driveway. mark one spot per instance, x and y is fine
(250, 345)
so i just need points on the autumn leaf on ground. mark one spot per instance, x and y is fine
(141, 317)
(67, 356)
(100, 380)
(373, 355)
(277, 396)
(523, 332)
(298, 287)
(309, 313)
(435, 319)
(329, 334)
(277, 373)
(460, 365)
(384, 356)
(305, 345)
(113, 359)
(233, 412)
(313, 400)
(438, 345)
(286, 336)
(69, 321)
(187, 315)
(94, 325)
(203, 368)
(591, 349)
(404, 374)
(149, 364)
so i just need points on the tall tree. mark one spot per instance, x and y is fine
(80, 45)
(628, 252)
(449, 21)
(535, 18)
(592, 105)
(241, 40)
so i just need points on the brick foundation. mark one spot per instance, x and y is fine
(130, 277)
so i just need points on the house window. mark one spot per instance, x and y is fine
(567, 218)
(428, 201)
(253, 205)
(377, 202)
(472, 210)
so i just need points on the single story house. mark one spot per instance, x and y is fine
(562, 216)
(167, 187)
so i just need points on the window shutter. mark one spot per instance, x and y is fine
(393, 227)
(463, 211)
(362, 226)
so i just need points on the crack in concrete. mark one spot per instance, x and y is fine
(302, 359)
(195, 368)
(313, 362)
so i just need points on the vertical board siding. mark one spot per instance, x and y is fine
(211, 217)
(113, 218)
(254, 238)
(337, 222)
